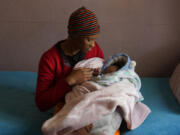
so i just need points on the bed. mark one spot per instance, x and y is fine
(20, 116)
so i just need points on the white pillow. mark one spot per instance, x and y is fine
(175, 82)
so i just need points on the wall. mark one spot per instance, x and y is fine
(148, 30)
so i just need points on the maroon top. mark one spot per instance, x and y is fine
(51, 85)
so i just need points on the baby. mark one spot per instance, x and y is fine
(108, 75)
(104, 73)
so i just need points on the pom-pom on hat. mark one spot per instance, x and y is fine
(83, 22)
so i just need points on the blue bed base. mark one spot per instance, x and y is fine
(20, 116)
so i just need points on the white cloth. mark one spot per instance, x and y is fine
(89, 102)
(88, 108)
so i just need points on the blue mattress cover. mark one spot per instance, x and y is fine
(20, 116)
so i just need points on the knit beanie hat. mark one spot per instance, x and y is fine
(83, 22)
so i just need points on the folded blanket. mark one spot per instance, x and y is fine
(86, 109)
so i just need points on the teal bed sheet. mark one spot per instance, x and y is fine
(20, 116)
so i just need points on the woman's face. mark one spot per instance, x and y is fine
(85, 43)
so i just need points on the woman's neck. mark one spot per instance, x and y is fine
(69, 47)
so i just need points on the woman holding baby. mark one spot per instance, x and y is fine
(56, 75)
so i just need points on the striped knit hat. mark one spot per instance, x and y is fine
(83, 22)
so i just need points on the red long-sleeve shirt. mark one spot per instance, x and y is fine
(51, 85)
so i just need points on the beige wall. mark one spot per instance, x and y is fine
(148, 30)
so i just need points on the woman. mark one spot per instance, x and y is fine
(55, 75)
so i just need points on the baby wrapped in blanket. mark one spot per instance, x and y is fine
(118, 68)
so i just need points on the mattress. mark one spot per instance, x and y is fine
(20, 116)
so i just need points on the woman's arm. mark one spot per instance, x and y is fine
(49, 92)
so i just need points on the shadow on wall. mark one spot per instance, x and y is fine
(163, 58)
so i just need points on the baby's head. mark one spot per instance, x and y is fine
(116, 62)
(111, 69)
(114, 67)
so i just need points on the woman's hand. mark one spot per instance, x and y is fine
(79, 75)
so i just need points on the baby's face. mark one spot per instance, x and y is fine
(110, 69)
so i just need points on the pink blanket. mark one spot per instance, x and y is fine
(88, 108)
